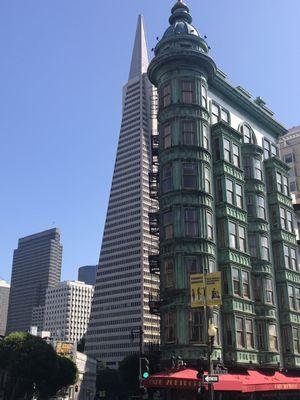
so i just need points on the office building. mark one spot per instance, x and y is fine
(224, 205)
(120, 303)
(67, 310)
(36, 266)
(4, 297)
(87, 274)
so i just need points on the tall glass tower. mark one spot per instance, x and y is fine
(124, 282)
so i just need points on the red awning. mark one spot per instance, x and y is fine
(250, 381)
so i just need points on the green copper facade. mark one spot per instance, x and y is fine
(221, 208)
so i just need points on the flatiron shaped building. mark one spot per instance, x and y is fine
(123, 285)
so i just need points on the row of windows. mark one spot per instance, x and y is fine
(190, 222)
(187, 88)
(189, 174)
(189, 135)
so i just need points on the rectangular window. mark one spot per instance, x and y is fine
(260, 335)
(170, 327)
(297, 299)
(219, 191)
(249, 334)
(189, 133)
(168, 225)
(245, 282)
(296, 340)
(203, 96)
(286, 256)
(229, 191)
(247, 165)
(274, 150)
(236, 282)
(239, 195)
(265, 252)
(227, 153)
(257, 169)
(236, 155)
(239, 322)
(192, 265)
(224, 115)
(269, 291)
(293, 259)
(166, 178)
(247, 134)
(189, 176)
(187, 91)
(169, 274)
(166, 95)
(207, 180)
(196, 327)
(257, 288)
(228, 332)
(209, 221)
(250, 205)
(167, 136)
(282, 218)
(242, 239)
(288, 158)
(289, 220)
(205, 136)
(291, 297)
(285, 185)
(191, 222)
(279, 182)
(267, 149)
(217, 149)
(214, 114)
(273, 341)
(232, 235)
(252, 245)
(261, 211)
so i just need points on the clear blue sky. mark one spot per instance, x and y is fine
(62, 67)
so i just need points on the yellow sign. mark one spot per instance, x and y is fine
(213, 289)
(197, 285)
(206, 289)
(64, 348)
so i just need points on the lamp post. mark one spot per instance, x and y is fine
(212, 332)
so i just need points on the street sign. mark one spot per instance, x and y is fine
(211, 378)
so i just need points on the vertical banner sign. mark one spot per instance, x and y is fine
(213, 289)
(197, 285)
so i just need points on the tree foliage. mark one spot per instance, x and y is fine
(30, 362)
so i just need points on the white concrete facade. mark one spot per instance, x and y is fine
(67, 310)
(4, 299)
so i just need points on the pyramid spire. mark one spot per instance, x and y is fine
(139, 60)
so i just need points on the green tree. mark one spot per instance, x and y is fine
(129, 374)
(29, 362)
(109, 381)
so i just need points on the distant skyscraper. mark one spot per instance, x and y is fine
(4, 297)
(87, 274)
(36, 266)
(67, 310)
(120, 302)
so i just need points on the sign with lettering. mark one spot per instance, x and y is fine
(205, 289)
(210, 378)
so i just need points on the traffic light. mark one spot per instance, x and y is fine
(76, 388)
(145, 368)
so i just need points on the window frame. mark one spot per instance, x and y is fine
(191, 225)
(188, 95)
(166, 97)
(190, 134)
(187, 175)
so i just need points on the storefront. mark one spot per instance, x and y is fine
(254, 385)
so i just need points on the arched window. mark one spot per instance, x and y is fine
(248, 134)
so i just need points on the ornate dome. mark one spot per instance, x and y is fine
(180, 22)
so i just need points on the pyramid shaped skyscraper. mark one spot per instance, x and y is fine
(124, 282)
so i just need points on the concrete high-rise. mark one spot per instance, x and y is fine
(4, 297)
(87, 274)
(36, 266)
(67, 310)
(124, 283)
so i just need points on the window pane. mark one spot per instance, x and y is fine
(247, 134)
(167, 178)
(168, 225)
(209, 222)
(229, 191)
(205, 136)
(239, 196)
(242, 239)
(273, 343)
(191, 222)
(236, 155)
(236, 281)
(166, 95)
(187, 91)
(207, 179)
(232, 235)
(169, 274)
(245, 281)
(189, 176)
(224, 115)
(227, 150)
(214, 113)
(167, 136)
(189, 133)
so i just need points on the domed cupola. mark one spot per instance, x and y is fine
(180, 21)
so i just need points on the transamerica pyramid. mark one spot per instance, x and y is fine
(124, 282)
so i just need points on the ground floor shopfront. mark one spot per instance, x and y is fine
(250, 385)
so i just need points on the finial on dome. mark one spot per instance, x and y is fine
(180, 11)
